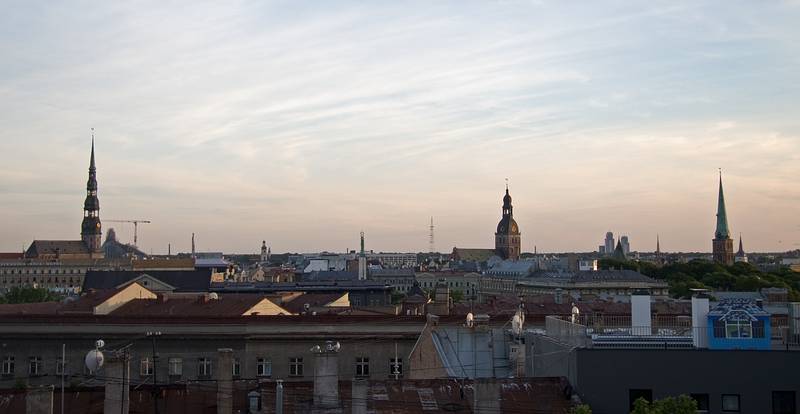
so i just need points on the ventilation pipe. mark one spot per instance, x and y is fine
(641, 322)
(700, 318)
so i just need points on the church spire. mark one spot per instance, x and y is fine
(91, 231)
(92, 167)
(722, 217)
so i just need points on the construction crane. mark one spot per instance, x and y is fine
(135, 227)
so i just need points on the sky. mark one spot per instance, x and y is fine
(304, 123)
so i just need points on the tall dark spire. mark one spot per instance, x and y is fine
(722, 217)
(91, 231)
(741, 247)
(619, 252)
(92, 167)
(722, 243)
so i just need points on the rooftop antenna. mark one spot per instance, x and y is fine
(431, 245)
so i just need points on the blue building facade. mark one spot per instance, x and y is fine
(738, 324)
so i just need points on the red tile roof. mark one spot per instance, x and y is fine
(227, 305)
(314, 300)
(41, 308)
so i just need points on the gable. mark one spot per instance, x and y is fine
(152, 283)
(126, 294)
(266, 307)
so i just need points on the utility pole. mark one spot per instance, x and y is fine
(153, 336)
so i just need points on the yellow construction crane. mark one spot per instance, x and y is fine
(135, 227)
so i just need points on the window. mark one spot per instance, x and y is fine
(730, 403)
(783, 402)
(738, 329)
(236, 367)
(61, 367)
(34, 365)
(635, 394)
(362, 367)
(702, 402)
(203, 367)
(8, 365)
(395, 367)
(175, 367)
(264, 367)
(145, 367)
(295, 367)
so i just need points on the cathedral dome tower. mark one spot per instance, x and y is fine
(507, 238)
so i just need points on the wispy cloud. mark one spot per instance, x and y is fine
(304, 123)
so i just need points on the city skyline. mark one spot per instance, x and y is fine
(302, 130)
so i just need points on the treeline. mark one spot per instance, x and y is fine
(701, 274)
(29, 295)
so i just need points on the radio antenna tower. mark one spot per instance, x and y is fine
(431, 245)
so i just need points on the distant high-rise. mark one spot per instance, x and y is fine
(722, 244)
(91, 232)
(507, 240)
(626, 246)
(609, 250)
(741, 256)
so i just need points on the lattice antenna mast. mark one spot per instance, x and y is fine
(431, 244)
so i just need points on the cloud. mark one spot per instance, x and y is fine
(304, 124)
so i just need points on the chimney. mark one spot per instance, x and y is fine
(117, 397)
(700, 319)
(326, 375)
(279, 397)
(39, 400)
(359, 394)
(641, 323)
(224, 381)
(486, 396)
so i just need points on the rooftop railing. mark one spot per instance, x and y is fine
(665, 332)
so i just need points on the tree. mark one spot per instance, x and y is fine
(683, 404)
(29, 295)
(457, 296)
(581, 409)
(397, 297)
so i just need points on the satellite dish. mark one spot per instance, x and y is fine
(337, 347)
(470, 320)
(94, 360)
(213, 296)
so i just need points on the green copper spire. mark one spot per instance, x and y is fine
(722, 218)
